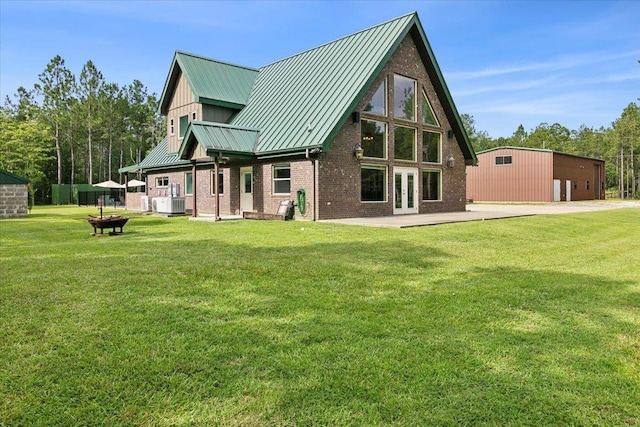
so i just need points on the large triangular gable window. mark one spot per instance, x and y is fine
(378, 103)
(428, 117)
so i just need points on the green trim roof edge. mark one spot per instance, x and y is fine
(196, 134)
(458, 127)
(374, 75)
(172, 78)
(7, 177)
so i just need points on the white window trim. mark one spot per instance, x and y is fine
(274, 179)
(495, 160)
(385, 150)
(424, 94)
(186, 187)
(439, 171)
(415, 101)
(385, 113)
(212, 183)
(415, 144)
(386, 183)
(439, 161)
(158, 178)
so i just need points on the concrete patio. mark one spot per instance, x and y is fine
(486, 211)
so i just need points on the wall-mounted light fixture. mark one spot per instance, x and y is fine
(356, 117)
(358, 151)
(450, 161)
(449, 134)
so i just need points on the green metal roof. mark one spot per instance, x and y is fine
(7, 177)
(218, 138)
(212, 82)
(158, 158)
(302, 101)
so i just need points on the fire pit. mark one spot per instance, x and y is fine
(111, 221)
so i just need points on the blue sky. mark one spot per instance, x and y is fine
(506, 62)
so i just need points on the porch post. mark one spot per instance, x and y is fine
(195, 191)
(215, 184)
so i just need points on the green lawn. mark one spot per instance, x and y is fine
(527, 321)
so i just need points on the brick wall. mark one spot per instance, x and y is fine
(336, 173)
(339, 172)
(14, 200)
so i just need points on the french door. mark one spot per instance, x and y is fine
(405, 189)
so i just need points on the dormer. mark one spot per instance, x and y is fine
(202, 89)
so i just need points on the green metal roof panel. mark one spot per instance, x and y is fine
(211, 81)
(158, 157)
(218, 138)
(7, 177)
(301, 101)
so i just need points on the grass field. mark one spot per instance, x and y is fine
(527, 321)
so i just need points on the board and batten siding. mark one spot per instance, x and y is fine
(182, 104)
(529, 178)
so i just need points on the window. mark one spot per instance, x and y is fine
(220, 182)
(431, 142)
(162, 181)
(374, 139)
(428, 117)
(172, 128)
(404, 98)
(373, 180)
(184, 122)
(405, 143)
(503, 160)
(378, 103)
(188, 184)
(431, 184)
(282, 179)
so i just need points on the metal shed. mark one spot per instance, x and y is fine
(520, 174)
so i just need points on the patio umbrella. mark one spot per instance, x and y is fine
(109, 184)
(136, 183)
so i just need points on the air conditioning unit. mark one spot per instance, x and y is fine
(146, 203)
(177, 205)
(168, 205)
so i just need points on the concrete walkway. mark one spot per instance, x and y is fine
(486, 211)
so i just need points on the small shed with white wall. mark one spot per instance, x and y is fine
(14, 195)
(520, 174)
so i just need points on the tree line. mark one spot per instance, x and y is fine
(618, 145)
(77, 130)
(70, 129)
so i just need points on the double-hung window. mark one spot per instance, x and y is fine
(282, 179)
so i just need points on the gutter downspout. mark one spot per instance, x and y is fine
(215, 183)
(313, 168)
(195, 191)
